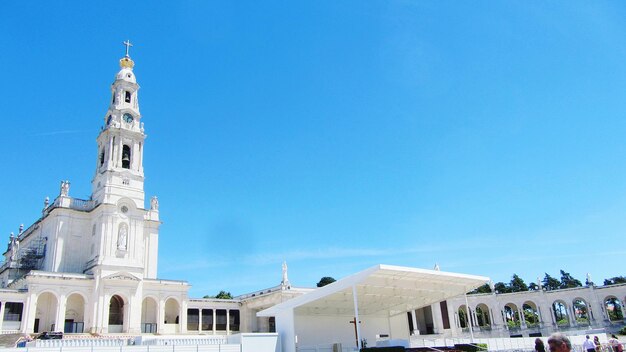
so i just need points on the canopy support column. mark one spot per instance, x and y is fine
(356, 318)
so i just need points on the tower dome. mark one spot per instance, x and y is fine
(126, 74)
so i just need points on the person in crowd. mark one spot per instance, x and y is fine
(616, 346)
(588, 345)
(558, 342)
(539, 346)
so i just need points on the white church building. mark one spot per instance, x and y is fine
(90, 266)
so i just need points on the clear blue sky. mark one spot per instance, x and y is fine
(488, 137)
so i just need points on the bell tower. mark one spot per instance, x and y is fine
(119, 164)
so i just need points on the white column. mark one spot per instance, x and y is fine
(522, 321)
(199, 319)
(135, 158)
(356, 318)
(475, 319)
(227, 321)
(214, 320)
(59, 324)
(571, 315)
(2, 309)
(109, 155)
(30, 310)
(161, 316)
(183, 317)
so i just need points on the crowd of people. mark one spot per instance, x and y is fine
(558, 342)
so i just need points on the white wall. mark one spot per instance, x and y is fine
(323, 330)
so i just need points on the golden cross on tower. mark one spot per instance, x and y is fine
(128, 45)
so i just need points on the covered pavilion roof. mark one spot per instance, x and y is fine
(381, 290)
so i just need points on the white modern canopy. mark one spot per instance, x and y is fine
(382, 290)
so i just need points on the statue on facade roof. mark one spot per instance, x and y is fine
(65, 188)
(285, 281)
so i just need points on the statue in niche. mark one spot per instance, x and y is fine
(122, 237)
(154, 203)
(65, 188)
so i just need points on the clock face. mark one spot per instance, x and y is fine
(128, 118)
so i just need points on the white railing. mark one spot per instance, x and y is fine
(173, 348)
(82, 204)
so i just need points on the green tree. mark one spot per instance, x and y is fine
(482, 289)
(567, 281)
(224, 295)
(550, 283)
(615, 280)
(533, 287)
(501, 287)
(517, 284)
(221, 295)
(325, 281)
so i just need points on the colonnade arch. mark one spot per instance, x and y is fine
(74, 321)
(46, 312)
(462, 314)
(172, 311)
(116, 314)
(561, 316)
(581, 311)
(511, 315)
(531, 314)
(149, 316)
(613, 307)
(482, 315)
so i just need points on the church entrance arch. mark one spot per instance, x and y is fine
(74, 314)
(45, 317)
(462, 313)
(560, 313)
(531, 314)
(172, 315)
(581, 311)
(149, 309)
(613, 308)
(116, 314)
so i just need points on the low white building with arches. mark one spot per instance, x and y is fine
(540, 312)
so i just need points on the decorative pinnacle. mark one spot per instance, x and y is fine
(126, 61)
(128, 45)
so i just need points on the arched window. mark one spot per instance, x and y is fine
(126, 157)
(127, 97)
(102, 157)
